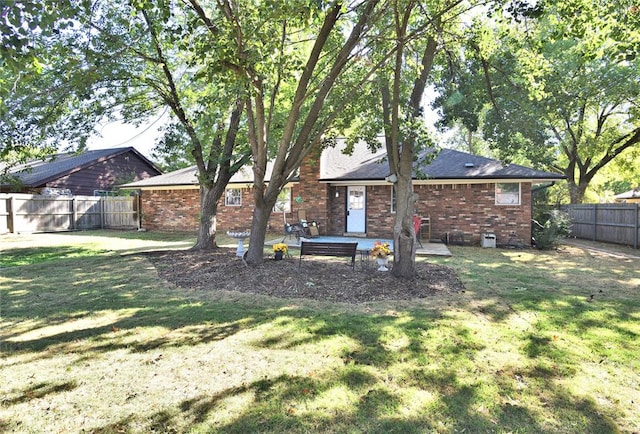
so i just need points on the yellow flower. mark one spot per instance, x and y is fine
(380, 250)
(280, 247)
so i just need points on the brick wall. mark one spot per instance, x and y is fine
(170, 210)
(380, 219)
(179, 210)
(314, 195)
(471, 209)
(337, 200)
(468, 208)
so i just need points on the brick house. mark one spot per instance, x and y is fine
(353, 195)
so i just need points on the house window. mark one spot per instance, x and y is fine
(283, 203)
(233, 197)
(508, 193)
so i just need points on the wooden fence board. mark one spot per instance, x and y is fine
(35, 213)
(611, 223)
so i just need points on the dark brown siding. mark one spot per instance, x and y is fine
(104, 175)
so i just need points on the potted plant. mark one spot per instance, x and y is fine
(381, 252)
(280, 249)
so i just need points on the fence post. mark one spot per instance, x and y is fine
(101, 212)
(637, 225)
(595, 222)
(74, 212)
(11, 223)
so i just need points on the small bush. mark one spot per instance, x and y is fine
(550, 228)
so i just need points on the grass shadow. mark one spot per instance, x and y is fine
(416, 369)
(39, 391)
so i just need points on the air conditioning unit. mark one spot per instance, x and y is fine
(488, 240)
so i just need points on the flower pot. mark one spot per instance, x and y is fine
(382, 264)
(279, 256)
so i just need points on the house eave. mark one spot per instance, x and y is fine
(246, 184)
(436, 181)
(161, 187)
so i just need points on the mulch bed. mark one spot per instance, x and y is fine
(318, 278)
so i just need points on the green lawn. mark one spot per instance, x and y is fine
(91, 340)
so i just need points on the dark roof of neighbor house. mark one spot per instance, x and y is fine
(39, 172)
(364, 165)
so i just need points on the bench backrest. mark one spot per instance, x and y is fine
(329, 249)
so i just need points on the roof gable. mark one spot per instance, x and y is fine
(39, 172)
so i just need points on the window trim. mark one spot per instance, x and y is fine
(394, 200)
(496, 194)
(226, 196)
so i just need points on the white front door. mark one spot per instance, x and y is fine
(356, 208)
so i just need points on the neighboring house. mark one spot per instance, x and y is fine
(353, 195)
(88, 173)
(631, 196)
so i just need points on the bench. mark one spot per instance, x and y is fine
(347, 250)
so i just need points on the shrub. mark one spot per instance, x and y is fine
(550, 228)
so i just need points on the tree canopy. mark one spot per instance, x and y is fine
(552, 84)
(557, 85)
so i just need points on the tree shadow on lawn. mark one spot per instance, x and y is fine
(52, 314)
(303, 404)
(568, 287)
(282, 403)
(39, 391)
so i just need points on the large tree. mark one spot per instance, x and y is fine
(302, 62)
(412, 35)
(129, 59)
(401, 126)
(559, 82)
(39, 108)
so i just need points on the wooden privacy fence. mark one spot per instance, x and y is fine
(612, 223)
(34, 213)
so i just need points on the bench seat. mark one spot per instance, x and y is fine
(347, 250)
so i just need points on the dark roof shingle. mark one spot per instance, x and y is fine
(39, 172)
(448, 164)
(364, 165)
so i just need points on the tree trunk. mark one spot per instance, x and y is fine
(576, 191)
(255, 252)
(208, 211)
(404, 237)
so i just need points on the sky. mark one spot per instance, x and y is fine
(119, 135)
